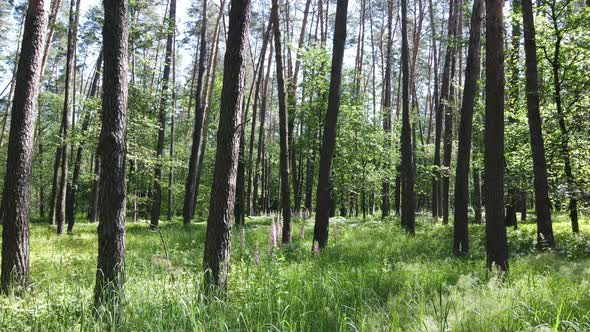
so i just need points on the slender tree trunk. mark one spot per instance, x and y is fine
(188, 211)
(53, 16)
(17, 184)
(255, 114)
(496, 242)
(449, 108)
(259, 206)
(73, 188)
(219, 224)
(172, 132)
(110, 276)
(477, 195)
(565, 150)
(164, 104)
(96, 190)
(470, 91)
(440, 107)
(408, 169)
(208, 98)
(70, 68)
(385, 189)
(283, 127)
(322, 217)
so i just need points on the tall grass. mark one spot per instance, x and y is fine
(372, 277)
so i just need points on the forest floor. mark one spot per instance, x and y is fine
(372, 277)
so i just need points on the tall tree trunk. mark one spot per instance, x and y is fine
(95, 189)
(542, 203)
(496, 242)
(164, 104)
(449, 108)
(408, 169)
(283, 127)
(387, 110)
(172, 132)
(440, 107)
(470, 91)
(219, 224)
(322, 217)
(73, 188)
(259, 80)
(259, 206)
(565, 150)
(53, 16)
(17, 184)
(208, 99)
(112, 147)
(70, 68)
(188, 210)
(477, 195)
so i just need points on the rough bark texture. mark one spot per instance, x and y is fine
(496, 242)
(472, 72)
(157, 186)
(542, 203)
(112, 149)
(322, 216)
(408, 169)
(188, 210)
(17, 186)
(385, 188)
(220, 221)
(283, 129)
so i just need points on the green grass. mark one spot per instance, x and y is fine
(371, 278)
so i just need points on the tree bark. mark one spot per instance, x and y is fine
(70, 68)
(385, 188)
(220, 221)
(408, 169)
(110, 276)
(17, 184)
(188, 210)
(157, 186)
(283, 127)
(322, 217)
(470, 91)
(496, 242)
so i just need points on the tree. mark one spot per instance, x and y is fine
(60, 208)
(387, 107)
(283, 130)
(188, 210)
(408, 169)
(555, 62)
(472, 72)
(221, 208)
(73, 188)
(496, 242)
(17, 186)
(110, 276)
(157, 186)
(322, 217)
(542, 204)
(441, 104)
